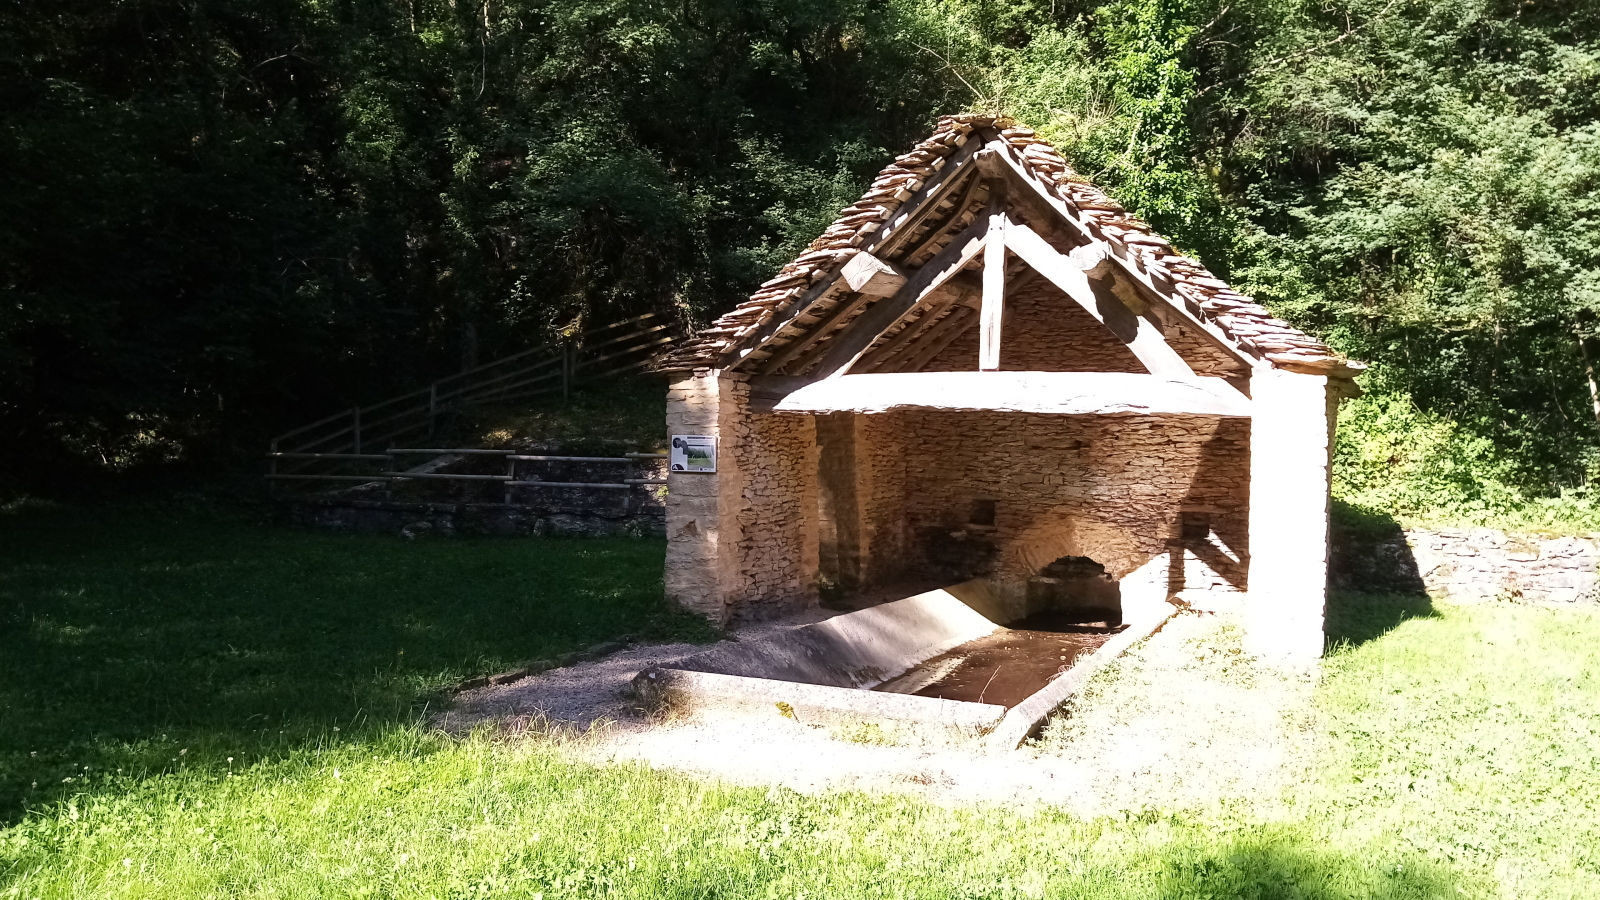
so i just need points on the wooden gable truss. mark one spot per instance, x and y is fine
(987, 218)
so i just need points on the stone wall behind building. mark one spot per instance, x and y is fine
(1469, 564)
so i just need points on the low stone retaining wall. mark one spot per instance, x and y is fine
(418, 519)
(1470, 564)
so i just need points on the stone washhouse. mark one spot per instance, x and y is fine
(986, 371)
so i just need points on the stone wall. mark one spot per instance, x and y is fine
(445, 519)
(1047, 331)
(1470, 564)
(776, 553)
(698, 505)
(1115, 489)
(741, 542)
(942, 496)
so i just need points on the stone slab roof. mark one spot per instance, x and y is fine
(770, 311)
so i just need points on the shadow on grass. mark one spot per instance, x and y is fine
(1268, 866)
(1356, 618)
(142, 639)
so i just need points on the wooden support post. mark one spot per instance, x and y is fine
(994, 295)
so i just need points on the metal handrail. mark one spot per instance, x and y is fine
(339, 439)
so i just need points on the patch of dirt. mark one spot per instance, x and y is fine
(1184, 721)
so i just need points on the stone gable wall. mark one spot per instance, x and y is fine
(1044, 331)
(1047, 331)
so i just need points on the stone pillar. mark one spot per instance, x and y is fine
(839, 537)
(1291, 447)
(702, 509)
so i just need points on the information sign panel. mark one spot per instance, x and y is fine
(694, 453)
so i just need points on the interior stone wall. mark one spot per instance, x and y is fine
(1115, 489)
(881, 469)
(1044, 331)
(890, 498)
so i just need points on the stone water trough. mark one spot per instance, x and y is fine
(936, 665)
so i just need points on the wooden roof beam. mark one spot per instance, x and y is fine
(958, 290)
(899, 225)
(937, 338)
(1000, 159)
(1141, 336)
(843, 351)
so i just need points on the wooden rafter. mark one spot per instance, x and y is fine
(960, 292)
(1001, 159)
(843, 351)
(905, 220)
(961, 204)
(938, 338)
(1143, 338)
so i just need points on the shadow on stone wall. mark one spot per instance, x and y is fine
(1369, 553)
(1375, 580)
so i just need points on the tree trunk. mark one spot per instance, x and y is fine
(1588, 368)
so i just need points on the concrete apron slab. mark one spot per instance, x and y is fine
(823, 674)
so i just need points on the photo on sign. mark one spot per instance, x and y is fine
(694, 453)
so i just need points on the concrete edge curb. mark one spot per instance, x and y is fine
(1024, 719)
(814, 704)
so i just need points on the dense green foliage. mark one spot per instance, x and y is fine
(218, 216)
(198, 705)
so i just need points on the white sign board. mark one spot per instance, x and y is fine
(694, 453)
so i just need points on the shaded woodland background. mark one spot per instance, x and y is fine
(223, 217)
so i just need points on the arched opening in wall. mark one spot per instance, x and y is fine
(1070, 594)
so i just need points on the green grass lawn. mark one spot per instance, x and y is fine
(236, 706)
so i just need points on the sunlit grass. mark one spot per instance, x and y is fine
(247, 681)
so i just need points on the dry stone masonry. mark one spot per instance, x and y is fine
(1471, 564)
